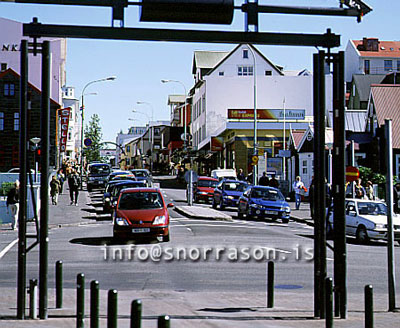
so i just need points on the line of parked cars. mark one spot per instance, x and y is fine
(138, 210)
(223, 189)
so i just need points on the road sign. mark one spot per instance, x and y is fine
(194, 176)
(254, 160)
(352, 173)
(87, 142)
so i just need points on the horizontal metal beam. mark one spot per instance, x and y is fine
(37, 30)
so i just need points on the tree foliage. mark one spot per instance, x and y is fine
(93, 132)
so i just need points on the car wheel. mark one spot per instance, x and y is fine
(285, 220)
(221, 204)
(214, 204)
(362, 235)
(248, 213)
(240, 214)
(89, 189)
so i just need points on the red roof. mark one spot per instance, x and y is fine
(386, 100)
(383, 48)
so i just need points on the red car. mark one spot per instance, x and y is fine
(205, 189)
(141, 212)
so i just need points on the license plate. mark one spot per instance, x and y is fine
(271, 212)
(141, 230)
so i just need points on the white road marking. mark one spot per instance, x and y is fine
(8, 247)
(189, 229)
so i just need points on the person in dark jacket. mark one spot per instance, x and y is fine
(241, 176)
(13, 204)
(55, 187)
(73, 184)
(264, 181)
(273, 182)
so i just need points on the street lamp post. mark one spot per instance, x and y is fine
(35, 141)
(255, 152)
(110, 78)
(151, 128)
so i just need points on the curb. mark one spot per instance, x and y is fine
(302, 220)
(185, 213)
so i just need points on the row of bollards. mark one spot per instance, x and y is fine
(164, 321)
(368, 305)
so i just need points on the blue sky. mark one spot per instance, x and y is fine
(139, 66)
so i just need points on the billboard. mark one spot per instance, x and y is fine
(217, 143)
(265, 114)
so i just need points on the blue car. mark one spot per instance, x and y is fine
(262, 202)
(227, 193)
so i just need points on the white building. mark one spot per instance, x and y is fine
(10, 42)
(371, 56)
(223, 103)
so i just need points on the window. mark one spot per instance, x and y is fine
(204, 103)
(16, 121)
(9, 89)
(398, 66)
(397, 167)
(245, 70)
(1, 121)
(128, 149)
(245, 53)
(367, 66)
(221, 73)
(388, 65)
(3, 66)
(268, 73)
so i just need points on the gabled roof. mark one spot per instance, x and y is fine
(296, 137)
(10, 71)
(384, 49)
(386, 100)
(277, 68)
(363, 83)
(310, 133)
(207, 59)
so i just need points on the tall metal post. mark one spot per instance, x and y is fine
(320, 187)
(389, 202)
(338, 187)
(23, 144)
(255, 151)
(44, 181)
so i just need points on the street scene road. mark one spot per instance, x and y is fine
(211, 274)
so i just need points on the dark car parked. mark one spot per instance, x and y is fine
(261, 202)
(114, 190)
(227, 193)
(143, 175)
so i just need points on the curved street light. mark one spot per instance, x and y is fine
(110, 78)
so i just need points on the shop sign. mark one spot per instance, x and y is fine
(64, 117)
(264, 114)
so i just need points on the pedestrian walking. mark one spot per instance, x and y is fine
(369, 191)
(273, 182)
(359, 190)
(73, 184)
(241, 176)
(55, 187)
(264, 181)
(13, 204)
(61, 179)
(298, 187)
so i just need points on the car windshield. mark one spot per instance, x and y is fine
(207, 183)
(370, 208)
(235, 186)
(140, 200)
(141, 174)
(267, 194)
(99, 169)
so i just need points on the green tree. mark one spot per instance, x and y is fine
(93, 132)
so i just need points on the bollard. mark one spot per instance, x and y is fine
(33, 284)
(136, 314)
(328, 303)
(59, 285)
(163, 321)
(80, 300)
(94, 304)
(112, 309)
(270, 285)
(369, 306)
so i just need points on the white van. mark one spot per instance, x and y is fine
(224, 174)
